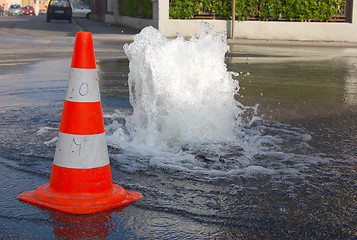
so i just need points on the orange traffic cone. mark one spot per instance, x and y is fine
(81, 180)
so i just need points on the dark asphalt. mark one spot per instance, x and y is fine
(96, 27)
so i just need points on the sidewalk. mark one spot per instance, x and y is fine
(102, 29)
(270, 50)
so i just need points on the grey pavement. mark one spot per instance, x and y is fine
(101, 29)
(108, 39)
(268, 49)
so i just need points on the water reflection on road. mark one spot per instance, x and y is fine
(350, 95)
(36, 84)
(302, 185)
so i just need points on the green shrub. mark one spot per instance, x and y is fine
(187, 9)
(135, 8)
(311, 10)
(145, 8)
(130, 8)
(183, 9)
(267, 10)
(271, 10)
(246, 9)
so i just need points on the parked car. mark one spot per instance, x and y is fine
(28, 10)
(15, 9)
(42, 12)
(85, 5)
(80, 10)
(59, 9)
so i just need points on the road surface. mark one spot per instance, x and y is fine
(27, 39)
(291, 175)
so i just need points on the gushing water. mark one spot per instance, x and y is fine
(185, 117)
(180, 90)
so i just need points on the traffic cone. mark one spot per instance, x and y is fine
(81, 180)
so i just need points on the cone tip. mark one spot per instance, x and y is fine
(83, 52)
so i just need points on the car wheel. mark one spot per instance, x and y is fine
(70, 20)
(48, 19)
(88, 16)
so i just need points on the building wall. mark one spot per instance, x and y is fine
(8, 3)
(305, 31)
(27, 3)
(3, 4)
(44, 4)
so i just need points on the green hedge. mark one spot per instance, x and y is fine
(136, 8)
(300, 10)
(187, 9)
(266, 10)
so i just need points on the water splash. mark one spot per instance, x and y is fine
(180, 90)
(185, 117)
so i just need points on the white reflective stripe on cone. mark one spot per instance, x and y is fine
(81, 151)
(83, 85)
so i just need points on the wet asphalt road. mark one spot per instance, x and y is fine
(28, 39)
(318, 203)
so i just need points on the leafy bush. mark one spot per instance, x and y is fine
(145, 8)
(268, 10)
(222, 9)
(187, 9)
(299, 10)
(130, 8)
(183, 9)
(246, 9)
(135, 8)
(272, 10)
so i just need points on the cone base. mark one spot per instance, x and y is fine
(81, 204)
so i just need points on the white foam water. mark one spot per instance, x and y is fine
(185, 117)
(180, 90)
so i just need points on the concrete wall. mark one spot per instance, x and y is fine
(136, 23)
(6, 4)
(298, 31)
(305, 31)
(113, 17)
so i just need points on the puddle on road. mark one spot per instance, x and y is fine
(40, 83)
(302, 185)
